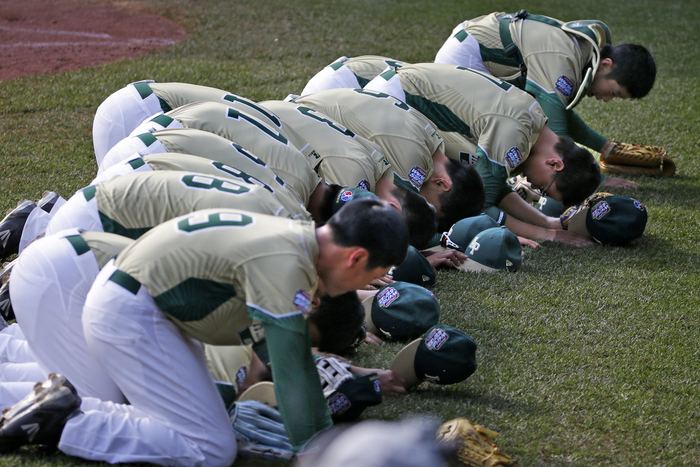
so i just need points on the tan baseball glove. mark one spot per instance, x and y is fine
(637, 159)
(473, 445)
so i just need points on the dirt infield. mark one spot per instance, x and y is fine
(51, 36)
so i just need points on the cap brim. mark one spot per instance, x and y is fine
(367, 304)
(404, 364)
(577, 224)
(475, 266)
(263, 391)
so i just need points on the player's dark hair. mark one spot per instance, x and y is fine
(465, 199)
(633, 68)
(338, 321)
(419, 215)
(325, 211)
(374, 225)
(580, 176)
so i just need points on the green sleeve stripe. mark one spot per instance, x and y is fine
(400, 182)
(461, 35)
(163, 120)
(137, 162)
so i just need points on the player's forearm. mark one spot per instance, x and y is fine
(513, 205)
(297, 385)
(533, 232)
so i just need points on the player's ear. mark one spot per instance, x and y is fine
(358, 257)
(555, 163)
(443, 183)
(605, 65)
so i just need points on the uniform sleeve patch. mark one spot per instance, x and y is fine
(302, 300)
(514, 157)
(417, 176)
(565, 86)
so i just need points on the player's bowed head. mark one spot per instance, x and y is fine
(358, 244)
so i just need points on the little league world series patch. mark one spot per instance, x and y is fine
(600, 210)
(417, 176)
(346, 196)
(302, 300)
(436, 339)
(565, 86)
(514, 157)
(387, 296)
(364, 184)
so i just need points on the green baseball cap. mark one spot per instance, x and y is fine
(492, 250)
(611, 220)
(463, 231)
(415, 269)
(444, 355)
(352, 397)
(401, 311)
(345, 195)
(550, 206)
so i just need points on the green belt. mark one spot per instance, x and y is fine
(126, 281)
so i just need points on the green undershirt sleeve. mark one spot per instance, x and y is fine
(297, 385)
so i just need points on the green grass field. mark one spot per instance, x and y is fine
(586, 356)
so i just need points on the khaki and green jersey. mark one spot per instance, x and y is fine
(259, 138)
(216, 270)
(407, 138)
(131, 205)
(229, 363)
(556, 63)
(297, 175)
(340, 156)
(499, 120)
(174, 95)
(254, 173)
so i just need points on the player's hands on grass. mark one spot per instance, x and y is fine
(527, 242)
(572, 238)
(448, 258)
(371, 338)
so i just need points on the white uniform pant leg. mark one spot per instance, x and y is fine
(118, 115)
(163, 374)
(34, 227)
(392, 86)
(11, 393)
(49, 285)
(77, 213)
(126, 167)
(127, 148)
(21, 373)
(465, 53)
(13, 330)
(14, 349)
(332, 77)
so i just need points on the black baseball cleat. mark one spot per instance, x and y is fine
(47, 201)
(11, 228)
(39, 418)
(6, 310)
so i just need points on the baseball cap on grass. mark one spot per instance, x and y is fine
(345, 195)
(415, 269)
(352, 397)
(401, 311)
(463, 231)
(492, 250)
(611, 220)
(444, 355)
(496, 214)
